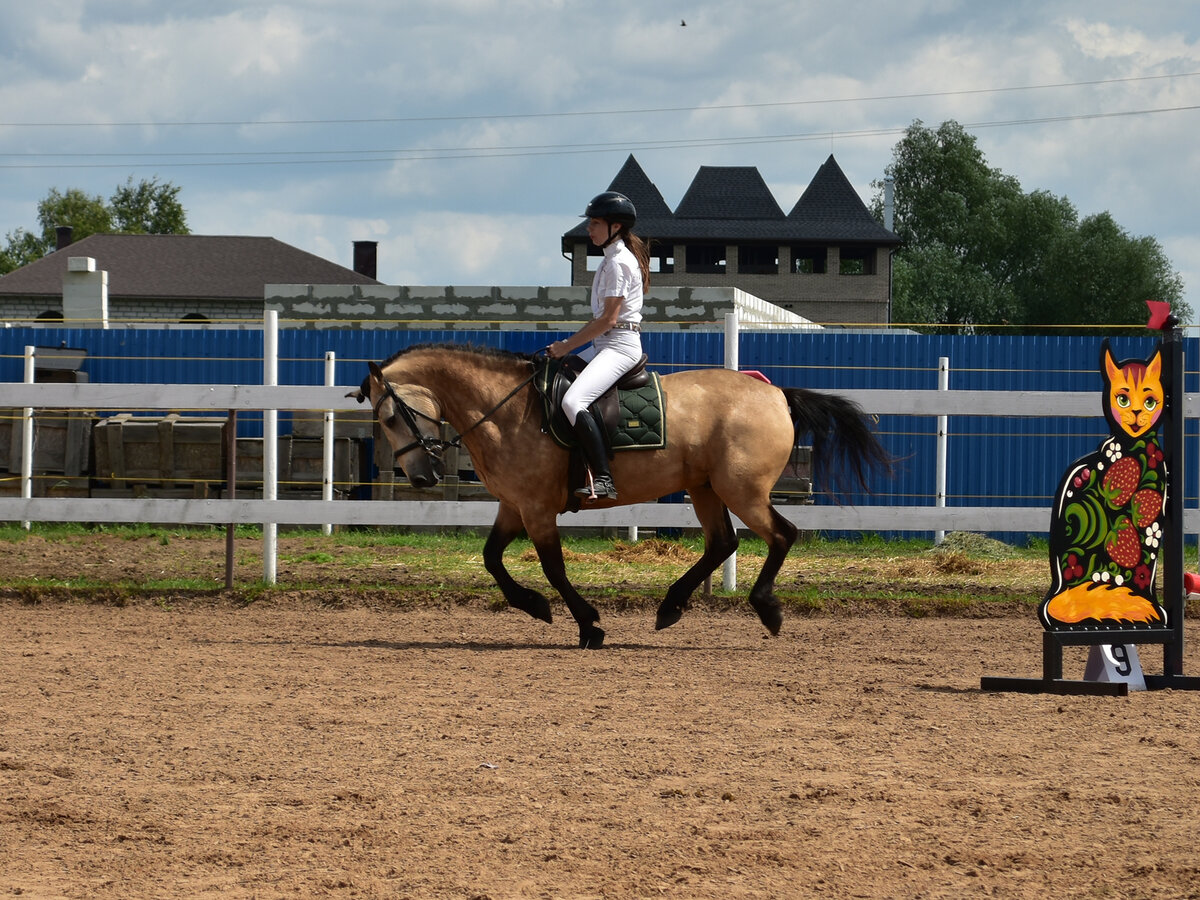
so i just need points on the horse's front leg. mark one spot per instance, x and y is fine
(504, 531)
(548, 543)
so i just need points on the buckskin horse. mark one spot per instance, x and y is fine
(730, 437)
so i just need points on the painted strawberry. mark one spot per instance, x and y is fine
(1146, 506)
(1122, 545)
(1121, 481)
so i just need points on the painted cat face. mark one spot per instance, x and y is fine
(1135, 393)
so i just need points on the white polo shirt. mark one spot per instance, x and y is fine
(618, 275)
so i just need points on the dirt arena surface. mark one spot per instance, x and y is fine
(285, 748)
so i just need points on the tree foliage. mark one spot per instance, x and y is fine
(148, 207)
(978, 250)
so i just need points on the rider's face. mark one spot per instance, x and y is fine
(597, 230)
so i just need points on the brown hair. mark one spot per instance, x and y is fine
(640, 249)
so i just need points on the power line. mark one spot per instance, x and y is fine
(609, 112)
(350, 157)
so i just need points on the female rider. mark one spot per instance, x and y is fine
(614, 331)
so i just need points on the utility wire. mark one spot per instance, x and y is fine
(607, 112)
(349, 157)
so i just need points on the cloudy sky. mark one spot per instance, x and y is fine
(465, 136)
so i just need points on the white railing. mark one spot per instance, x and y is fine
(269, 398)
(224, 397)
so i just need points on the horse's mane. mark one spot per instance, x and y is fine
(469, 349)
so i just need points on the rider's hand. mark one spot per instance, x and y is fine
(557, 350)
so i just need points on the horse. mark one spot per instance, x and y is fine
(730, 436)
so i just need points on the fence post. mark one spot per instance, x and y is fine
(729, 571)
(327, 445)
(942, 442)
(270, 440)
(27, 436)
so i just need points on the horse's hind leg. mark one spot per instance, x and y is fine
(720, 540)
(505, 529)
(548, 543)
(779, 534)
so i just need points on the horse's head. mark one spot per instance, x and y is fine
(410, 419)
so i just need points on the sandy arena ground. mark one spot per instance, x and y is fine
(288, 749)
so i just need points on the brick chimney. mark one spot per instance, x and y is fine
(63, 235)
(365, 255)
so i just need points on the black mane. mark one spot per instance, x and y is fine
(448, 347)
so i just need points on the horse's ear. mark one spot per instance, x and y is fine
(363, 392)
(376, 372)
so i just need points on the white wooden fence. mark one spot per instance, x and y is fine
(414, 512)
(271, 512)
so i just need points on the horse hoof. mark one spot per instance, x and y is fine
(667, 616)
(772, 619)
(770, 614)
(533, 603)
(591, 638)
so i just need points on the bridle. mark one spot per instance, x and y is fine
(434, 447)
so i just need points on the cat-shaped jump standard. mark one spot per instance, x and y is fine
(1106, 525)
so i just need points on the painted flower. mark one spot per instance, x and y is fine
(1142, 577)
(1153, 535)
(1112, 450)
(1073, 568)
(1153, 456)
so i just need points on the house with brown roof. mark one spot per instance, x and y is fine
(827, 259)
(166, 278)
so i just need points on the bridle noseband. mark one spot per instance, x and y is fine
(433, 447)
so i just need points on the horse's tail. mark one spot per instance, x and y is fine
(843, 443)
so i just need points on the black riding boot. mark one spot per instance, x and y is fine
(591, 440)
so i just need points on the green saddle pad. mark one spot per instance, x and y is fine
(642, 424)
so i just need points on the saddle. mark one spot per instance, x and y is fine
(552, 379)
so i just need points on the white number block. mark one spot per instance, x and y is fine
(1115, 663)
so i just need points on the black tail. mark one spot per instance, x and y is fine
(843, 443)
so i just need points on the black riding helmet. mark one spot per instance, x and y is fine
(612, 207)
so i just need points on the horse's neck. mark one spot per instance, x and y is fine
(469, 392)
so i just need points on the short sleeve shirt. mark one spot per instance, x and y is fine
(619, 275)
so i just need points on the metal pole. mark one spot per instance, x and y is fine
(27, 436)
(327, 445)
(729, 571)
(942, 442)
(230, 491)
(1173, 537)
(270, 441)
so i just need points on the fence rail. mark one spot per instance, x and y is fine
(221, 397)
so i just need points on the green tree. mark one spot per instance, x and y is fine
(148, 207)
(979, 250)
(86, 214)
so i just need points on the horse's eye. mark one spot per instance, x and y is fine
(390, 421)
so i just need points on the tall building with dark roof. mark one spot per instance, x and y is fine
(827, 259)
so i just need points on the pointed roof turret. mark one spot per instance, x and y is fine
(830, 209)
(728, 192)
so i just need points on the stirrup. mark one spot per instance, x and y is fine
(598, 488)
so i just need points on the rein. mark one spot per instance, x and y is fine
(435, 447)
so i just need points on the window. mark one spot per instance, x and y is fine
(857, 261)
(662, 256)
(808, 260)
(50, 315)
(758, 259)
(193, 319)
(706, 259)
